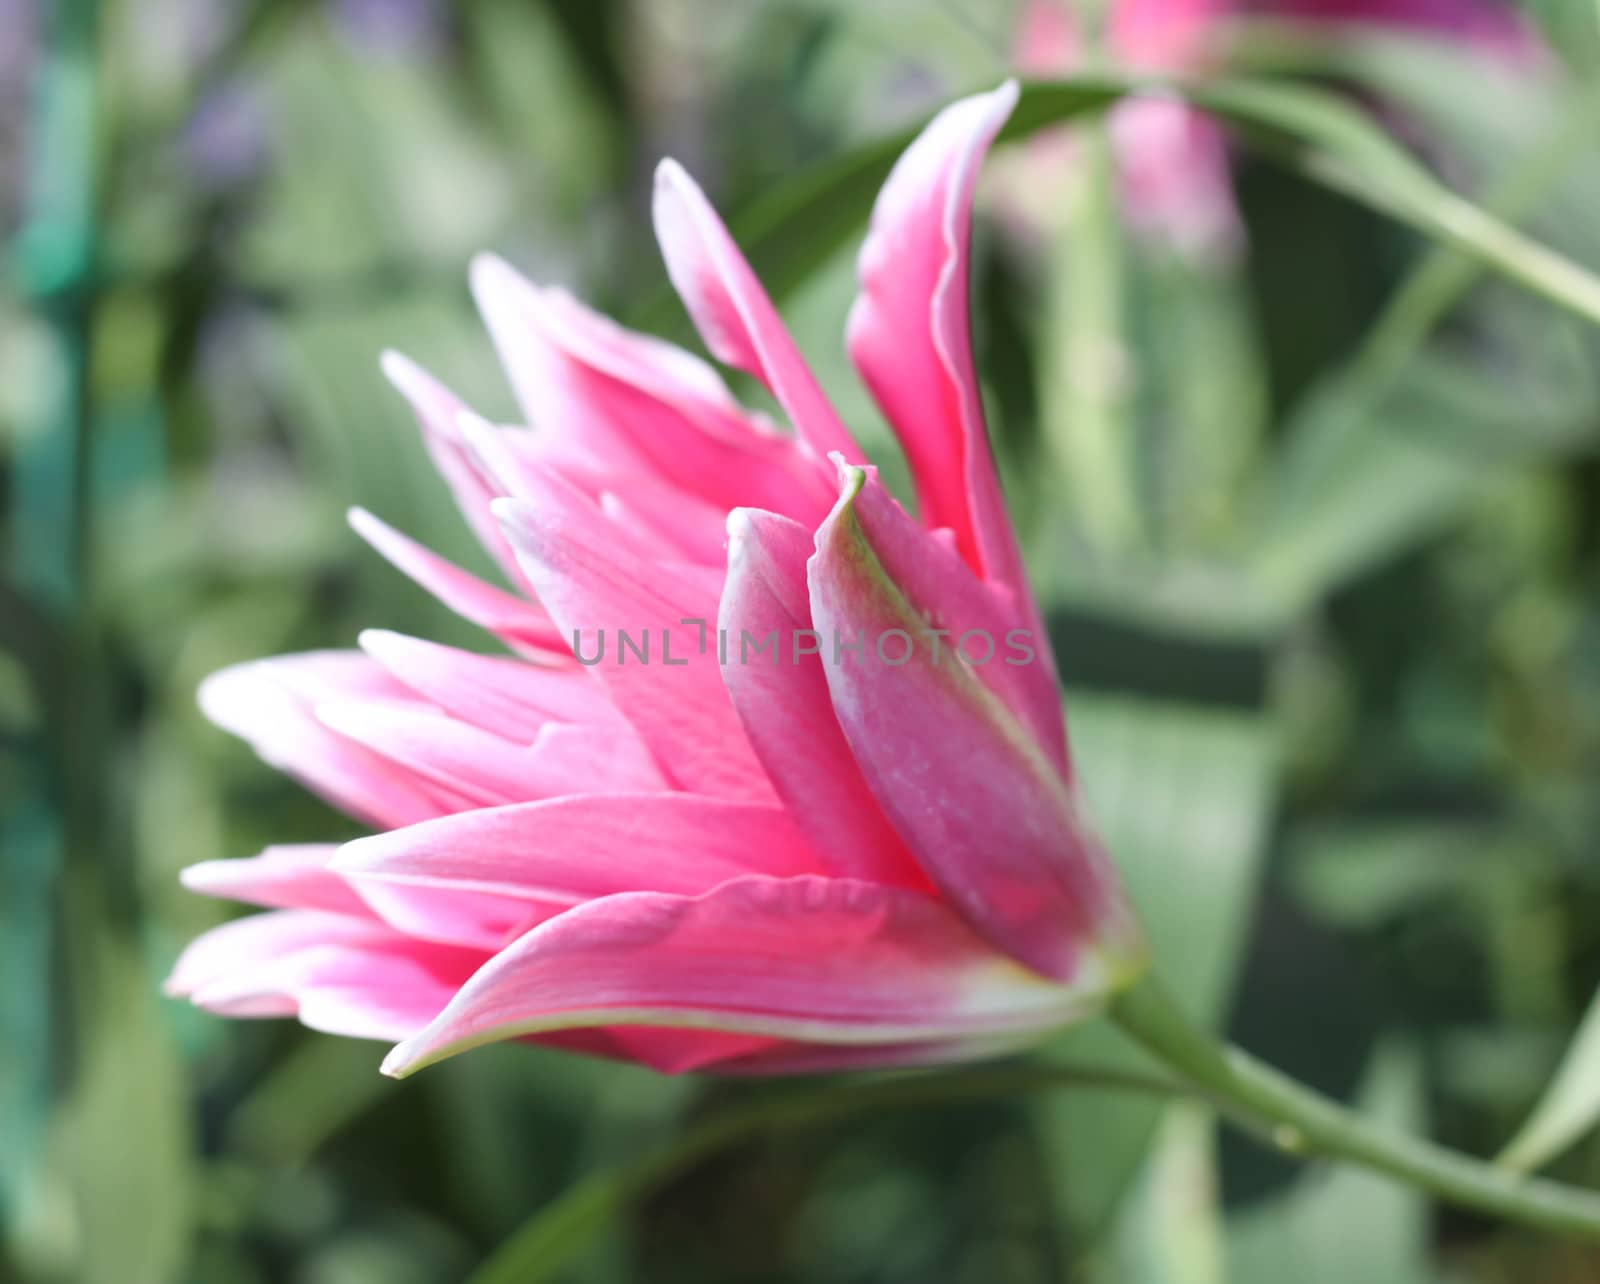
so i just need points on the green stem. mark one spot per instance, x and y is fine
(1305, 1123)
(1085, 400)
(1446, 273)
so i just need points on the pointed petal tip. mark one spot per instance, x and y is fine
(389, 648)
(396, 366)
(670, 174)
(219, 694)
(852, 477)
(431, 401)
(503, 295)
(195, 877)
(510, 511)
(354, 856)
(488, 270)
(399, 1063)
(374, 640)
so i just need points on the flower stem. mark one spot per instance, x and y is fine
(1302, 1122)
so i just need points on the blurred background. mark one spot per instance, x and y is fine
(1330, 618)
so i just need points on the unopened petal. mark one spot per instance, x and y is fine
(977, 799)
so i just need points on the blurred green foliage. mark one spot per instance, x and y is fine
(1338, 708)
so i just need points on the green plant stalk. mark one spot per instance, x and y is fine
(1338, 150)
(1304, 1123)
(41, 593)
(1446, 273)
(1087, 423)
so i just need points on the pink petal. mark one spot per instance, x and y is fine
(1048, 43)
(1173, 166)
(569, 850)
(294, 876)
(438, 911)
(791, 1058)
(642, 408)
(269, 704)
(676, 701)
(781, 695)
(509, 698)
(909, 335)
(833, 961)
(518, 623)
(947, 596)
(481, 767)
(982, 806)
(340, 975)
(1173, 36)
(733, 313)
(671, 521)
(664, 1050)
(612, 759)
(437, 410)
(537, 331)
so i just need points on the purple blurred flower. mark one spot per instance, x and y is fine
(227, 140)
(390, 26)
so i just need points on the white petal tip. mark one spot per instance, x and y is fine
(354, 856)
(399, 1063)
(471, 424)
(488, 269)
(670, 174)
(196, 877)
(397, 367)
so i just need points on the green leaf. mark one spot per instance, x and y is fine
(1201, 386)
(121, 1145)
(1170, 1231)
(1362, 478)
(1570, 1105)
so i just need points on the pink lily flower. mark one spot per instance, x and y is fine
(775, 778)
(1173, 160)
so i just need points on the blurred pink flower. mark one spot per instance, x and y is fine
(825, 819)
(1172, 159)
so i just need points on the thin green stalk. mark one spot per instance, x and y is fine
(1087, 420)
(51, 259)
(1338, 149)
(1446, 273)
(1304, 1123)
